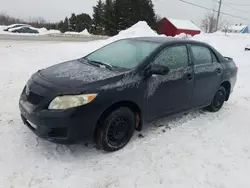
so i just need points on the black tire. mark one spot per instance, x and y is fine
(116, 130)
(218, 100)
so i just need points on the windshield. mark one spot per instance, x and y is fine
(124, 53)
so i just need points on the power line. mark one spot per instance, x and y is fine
(196, 5)
(231, 6)
(241, 5)
(224, 13)
(243, 11)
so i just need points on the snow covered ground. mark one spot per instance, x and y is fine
(199, 149)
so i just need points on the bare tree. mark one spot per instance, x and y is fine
(224, 26)
(209, 23)
(7, 20)
(37, 22)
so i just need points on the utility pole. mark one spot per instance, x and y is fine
(218, 16)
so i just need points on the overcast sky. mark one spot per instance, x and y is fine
(55, 10)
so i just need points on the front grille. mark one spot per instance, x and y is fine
(34, 98)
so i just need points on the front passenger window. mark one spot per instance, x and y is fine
(173, 57)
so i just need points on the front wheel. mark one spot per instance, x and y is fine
(218, 100)
(116, 130)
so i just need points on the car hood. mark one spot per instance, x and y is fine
(76, 73)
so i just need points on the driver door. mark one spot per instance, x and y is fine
(172, 92)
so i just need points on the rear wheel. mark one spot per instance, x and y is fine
(218, 100)
(116, 130)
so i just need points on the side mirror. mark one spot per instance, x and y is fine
(156, 69)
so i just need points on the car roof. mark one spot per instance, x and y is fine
(166, 40)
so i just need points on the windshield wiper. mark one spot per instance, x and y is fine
(99, 63)
(107, 65)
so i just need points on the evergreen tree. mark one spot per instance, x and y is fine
(98, 15)
(123, 13)
(149, 14)
(109, 18)
(83, 22)
(65, 26)
(72, 22)
(60, 26)
(130, 12)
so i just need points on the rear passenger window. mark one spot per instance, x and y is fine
(173, 57)
(202, 55)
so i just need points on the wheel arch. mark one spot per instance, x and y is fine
(129, 104)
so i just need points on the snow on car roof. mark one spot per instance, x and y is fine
(184, 24)
(13, 25)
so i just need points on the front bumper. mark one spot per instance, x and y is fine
(61, 127)
(65, 126)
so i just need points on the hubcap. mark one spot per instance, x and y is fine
(118, 131)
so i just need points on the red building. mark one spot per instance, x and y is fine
(172, 27)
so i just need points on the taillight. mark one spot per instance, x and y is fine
(237, 68)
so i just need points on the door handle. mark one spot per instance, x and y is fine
(219, 71)
(190, 77)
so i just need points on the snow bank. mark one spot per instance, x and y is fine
(53, 31)
(85, 32)
(71, 33)
(42, 30)
(2, 27)
(141, 29)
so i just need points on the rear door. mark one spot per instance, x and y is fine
(207, 72)
(172, 92)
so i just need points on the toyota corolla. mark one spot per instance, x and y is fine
(108, 94)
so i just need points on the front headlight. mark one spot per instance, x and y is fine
(71, 101)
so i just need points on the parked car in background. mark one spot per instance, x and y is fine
(109, 93)
(15, 26)
(24, 29)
